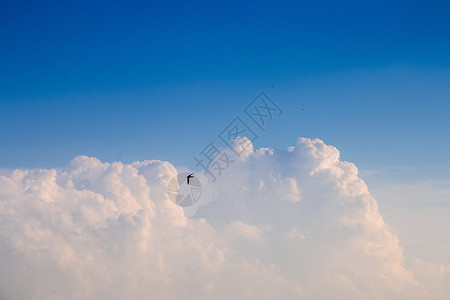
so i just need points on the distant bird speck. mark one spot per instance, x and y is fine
(189, 177)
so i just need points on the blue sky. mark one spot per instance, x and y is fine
(150, 80)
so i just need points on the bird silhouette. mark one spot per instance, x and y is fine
(189, 177)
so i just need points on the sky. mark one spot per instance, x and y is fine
(129, 82)
(79, 78)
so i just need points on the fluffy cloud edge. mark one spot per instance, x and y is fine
(296, 223)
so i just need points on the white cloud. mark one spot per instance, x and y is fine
(238, 229)
(293, 224)
(295, 233)
(419, 213)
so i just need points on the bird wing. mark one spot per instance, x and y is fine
(189, 176)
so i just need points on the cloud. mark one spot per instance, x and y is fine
(238, 229)
(279, 224)
(419, 213)
(295, 233)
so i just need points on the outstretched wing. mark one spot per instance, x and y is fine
(189, 177)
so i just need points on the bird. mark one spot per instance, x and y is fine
(189, 177)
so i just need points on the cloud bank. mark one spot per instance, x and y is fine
(280, 224)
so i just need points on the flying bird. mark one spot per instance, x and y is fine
(189, 177)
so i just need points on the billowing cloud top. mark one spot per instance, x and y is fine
(291, 224)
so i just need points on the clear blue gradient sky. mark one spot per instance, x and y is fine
(152, 80)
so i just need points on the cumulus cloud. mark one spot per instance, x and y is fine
(238, 229)
(279, 224)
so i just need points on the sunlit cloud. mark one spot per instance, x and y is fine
(279, 224)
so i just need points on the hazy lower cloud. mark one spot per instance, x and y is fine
(289, 224)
